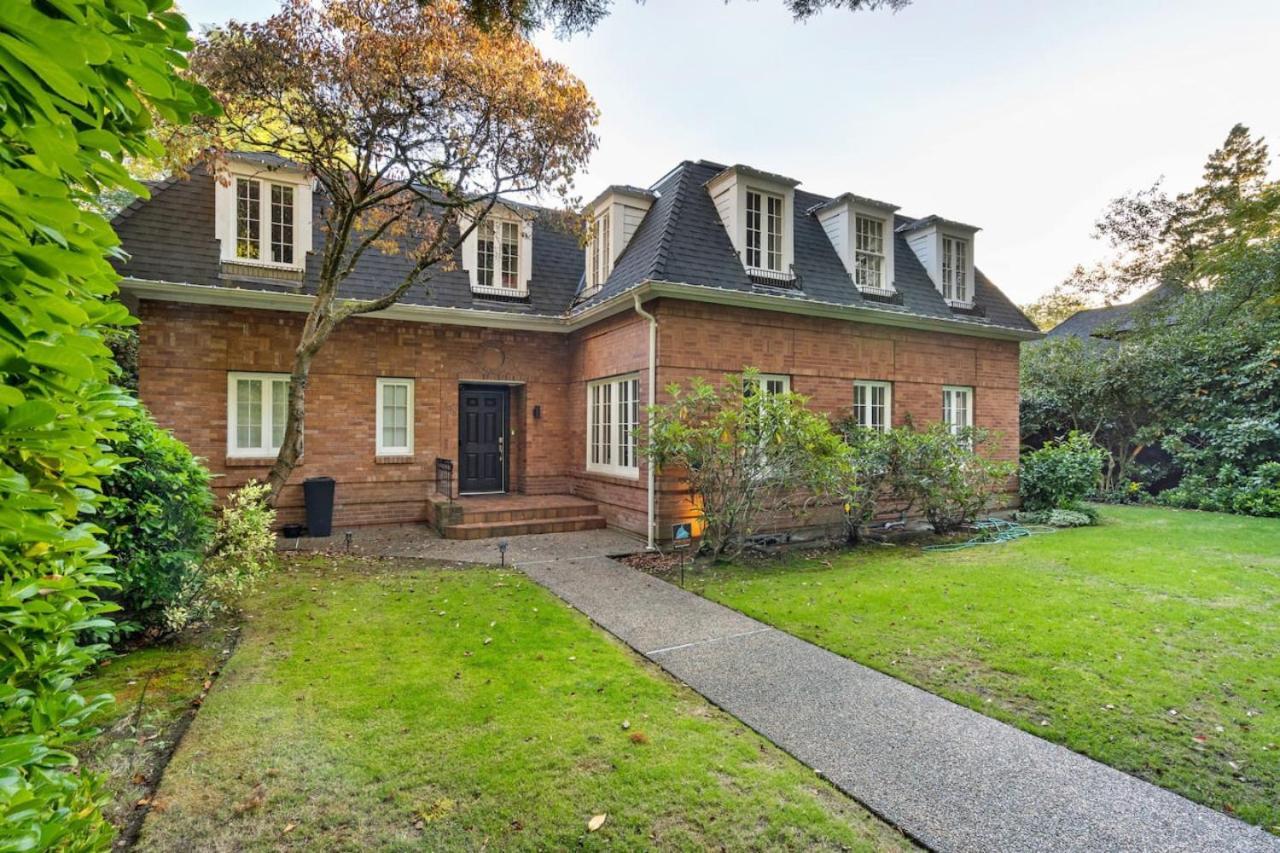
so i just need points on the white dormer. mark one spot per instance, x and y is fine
(498, 253)
(613, 219)
(861, 231)
(758, 210)
(945, 250)
(262, 213)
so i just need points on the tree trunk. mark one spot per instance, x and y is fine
(292, 445)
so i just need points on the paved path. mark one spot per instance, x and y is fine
(949, 777)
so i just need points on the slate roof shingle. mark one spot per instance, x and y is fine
(681, 240)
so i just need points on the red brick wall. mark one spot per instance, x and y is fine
(823, 358)
(615, 346)
(187, 350)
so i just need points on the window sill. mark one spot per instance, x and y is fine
(264, 265)
(628, 475)
(249, 461)
(393, 459)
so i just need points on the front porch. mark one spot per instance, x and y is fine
(487, 516)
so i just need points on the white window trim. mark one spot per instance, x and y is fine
(888, 400)
(885, 287)
(225, 212)
(498, 214)
(267, 410)
(383, 449)
(969, 400)
(762, 381)
(631, 472)
(765, 196)
(957, 299)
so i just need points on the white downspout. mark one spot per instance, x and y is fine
(653, 400)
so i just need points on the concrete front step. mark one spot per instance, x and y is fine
(569, 509)
(492, 529)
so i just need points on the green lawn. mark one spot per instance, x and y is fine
(386, 705)
(1151, 642)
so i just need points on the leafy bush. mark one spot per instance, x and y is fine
(744, 454)
(157, 516)
(1082, 517)
(1061, 474)
(1229, 491)
(946, 476)
(81, 82)
(873, 458)
(241, 554)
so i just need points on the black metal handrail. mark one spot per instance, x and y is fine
(789, 280)
(444, 478)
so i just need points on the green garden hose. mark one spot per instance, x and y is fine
(991, 531)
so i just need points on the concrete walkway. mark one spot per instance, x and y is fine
(949, 777)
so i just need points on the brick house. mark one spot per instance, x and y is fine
(529, 365)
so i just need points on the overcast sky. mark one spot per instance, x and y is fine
(1023, 117)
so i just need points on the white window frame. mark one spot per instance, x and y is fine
(601, 254)
(229, 219)
(772, 383)
(869, 386)
(957, 289)
(381, 448)
(949, 407)
(616, 429)
(770, 243)
(877, 261)
(268, 448)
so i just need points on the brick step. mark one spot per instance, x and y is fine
(493, 529)
(575, 509)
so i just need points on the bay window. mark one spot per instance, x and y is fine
(257, 407)
(613, 418)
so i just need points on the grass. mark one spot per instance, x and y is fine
(383, 705)
(157, 689)
(1149, 642)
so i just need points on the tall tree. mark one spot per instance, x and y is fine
(574, 16)
(412, 119)
(1158, 238)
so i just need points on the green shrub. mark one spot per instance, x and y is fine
(946, 475)
(1061, 474)
(1082, 517)
(1229, 491)
(241, 554)
(157, 517)
(745, 454)
(82, 81)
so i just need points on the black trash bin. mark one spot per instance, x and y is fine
(318, 492)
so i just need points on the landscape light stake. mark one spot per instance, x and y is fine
(502, 552)
(347, 538)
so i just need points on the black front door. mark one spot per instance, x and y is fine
(482, 438)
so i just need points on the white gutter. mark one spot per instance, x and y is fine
(282, 301)
(653, 400)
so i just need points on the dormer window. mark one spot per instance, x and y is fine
(764, 231)
(868, 261)
(263, 218)
(601, 255)
(955, 270)
(757, 209)
(498, 254)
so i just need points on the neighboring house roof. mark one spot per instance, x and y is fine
(680, 240)
(1106, 323)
